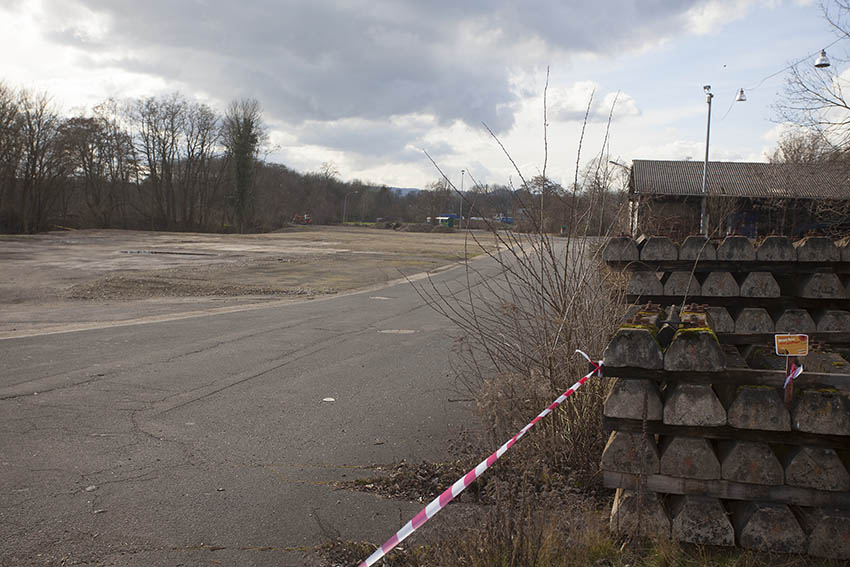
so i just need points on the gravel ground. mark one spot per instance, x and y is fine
(61, 281)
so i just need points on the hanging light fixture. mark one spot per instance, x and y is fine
(741, 97)
(822, 60)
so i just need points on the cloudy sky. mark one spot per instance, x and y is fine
(370, 84)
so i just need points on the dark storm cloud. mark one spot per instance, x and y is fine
(372, 60)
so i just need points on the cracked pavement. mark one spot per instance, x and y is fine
(206, 440)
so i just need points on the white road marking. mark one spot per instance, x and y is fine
(328, 400)
(397, 331)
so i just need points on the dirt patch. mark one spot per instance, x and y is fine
(414, 482)
(55, 279)
(200, 281)
(421, 482)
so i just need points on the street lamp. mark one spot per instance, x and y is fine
(822, 60)
(345, 203)
(460, 218)
(703, 217)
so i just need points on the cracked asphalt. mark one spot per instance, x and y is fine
(207, 441)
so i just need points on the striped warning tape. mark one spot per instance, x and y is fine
(793, 375)
(450, 493)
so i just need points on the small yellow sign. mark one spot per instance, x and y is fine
(792, 345)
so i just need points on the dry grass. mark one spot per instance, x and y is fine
(515, 351)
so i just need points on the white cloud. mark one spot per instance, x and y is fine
(708, 17)
(570, 104)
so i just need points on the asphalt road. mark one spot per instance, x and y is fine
(206, 441)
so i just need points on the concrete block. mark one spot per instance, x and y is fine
(657, 248)
(816, 286)
(795, 321)
(750, 462)
(767, 527)
(630, 453)
(720, 284)
(736, 249)
(681, 283)
(620, 249)
(763, 358)
(833, 320)
(825, 362)
(701, 520)
(817, 249)
(776, 249)
(721, 321)
(634, 399)
(697, 248)
(689, 457)
(694, 350)
(644, 283)
(828, 532)
(758, 407)
(753, 320)
(759, 284)
(639, 515)
(815, 467)
(733, 357)
(822, 411)
(693, 404)
(635, 347)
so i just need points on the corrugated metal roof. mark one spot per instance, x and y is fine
(741, 179)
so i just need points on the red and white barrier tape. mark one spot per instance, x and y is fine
(795, 372)
(450, 493)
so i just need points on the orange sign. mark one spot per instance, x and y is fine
(792, 345)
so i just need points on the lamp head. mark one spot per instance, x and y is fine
(822, 60)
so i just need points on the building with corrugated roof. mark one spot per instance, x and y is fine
(753, 199)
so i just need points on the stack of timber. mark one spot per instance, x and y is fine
(703, 447)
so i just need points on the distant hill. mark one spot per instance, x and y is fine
(404, 190)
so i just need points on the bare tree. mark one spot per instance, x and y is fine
(817, 98)
(11, 148)
(42, 165)
(199, 175)
(802, 145)
(120, 161)
(158, 124)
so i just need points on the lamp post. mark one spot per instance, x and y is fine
(703, 217)
(345, 203)
(460, 217)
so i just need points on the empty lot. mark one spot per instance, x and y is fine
(63, 281)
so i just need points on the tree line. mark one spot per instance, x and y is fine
(173, 163)
(159, 162)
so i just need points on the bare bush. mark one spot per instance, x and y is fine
(519, 330)
(516, 349)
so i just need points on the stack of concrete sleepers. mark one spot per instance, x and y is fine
(703, 447)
